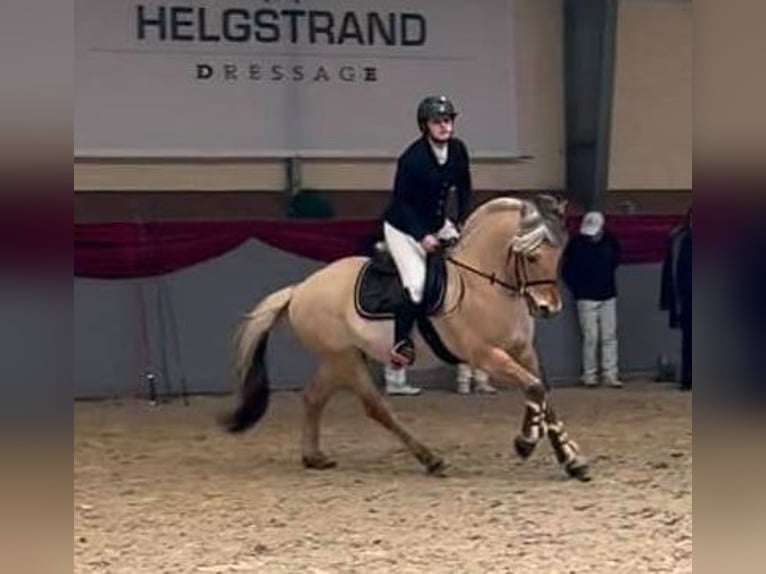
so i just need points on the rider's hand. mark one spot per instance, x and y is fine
(429, 243)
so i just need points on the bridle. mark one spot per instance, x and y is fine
(521, 276)
(518, 252)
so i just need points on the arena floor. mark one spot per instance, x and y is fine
(162, 489)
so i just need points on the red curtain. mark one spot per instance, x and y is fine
(122, 250)
(117, 250)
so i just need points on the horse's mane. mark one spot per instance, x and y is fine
(536, 212)
(491, 206)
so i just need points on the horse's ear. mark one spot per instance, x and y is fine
(530, 214)
(554, 204)
(561, 206)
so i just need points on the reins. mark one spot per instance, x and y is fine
(522, 282)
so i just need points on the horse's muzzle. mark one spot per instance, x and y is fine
(540, 310)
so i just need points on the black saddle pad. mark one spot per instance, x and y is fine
(379, 290)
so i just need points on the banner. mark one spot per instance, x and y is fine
(272, 78)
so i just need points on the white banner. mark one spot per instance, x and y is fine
(312, 78)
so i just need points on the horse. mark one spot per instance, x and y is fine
(504, 265)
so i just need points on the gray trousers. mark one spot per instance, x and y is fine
(598, 324)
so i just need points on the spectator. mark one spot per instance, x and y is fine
(590, 263)
(396, 382)
(468, 380)
(467, 375)
(676, 292)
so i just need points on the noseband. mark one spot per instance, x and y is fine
(521, 273)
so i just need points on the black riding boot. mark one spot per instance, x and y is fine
(403, 351)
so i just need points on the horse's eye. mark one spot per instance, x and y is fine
(533, 258)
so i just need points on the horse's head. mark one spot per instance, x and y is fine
(535, 252)
(530, 262)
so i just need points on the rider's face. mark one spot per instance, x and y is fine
(440, 128)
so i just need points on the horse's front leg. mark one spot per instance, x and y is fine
(506, 370)
(564, 448)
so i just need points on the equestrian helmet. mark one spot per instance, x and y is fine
(433, 107)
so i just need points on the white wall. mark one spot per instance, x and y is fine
(537, 38)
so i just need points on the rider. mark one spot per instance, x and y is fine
(415, 219)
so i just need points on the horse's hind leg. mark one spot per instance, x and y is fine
(315, 397)
(361, 383)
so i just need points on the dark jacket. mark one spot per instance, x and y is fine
(419, 201)
(676, 279)
(589, 267)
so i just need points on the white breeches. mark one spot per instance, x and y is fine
(410, 257)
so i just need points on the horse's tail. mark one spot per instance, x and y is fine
(249, 366)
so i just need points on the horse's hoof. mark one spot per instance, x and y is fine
(437, 467)
(579, 470)
(318, 462)
(524, 448)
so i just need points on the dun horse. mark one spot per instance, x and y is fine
(500, 275)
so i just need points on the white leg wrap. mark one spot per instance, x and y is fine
(537, 425)
(568, 447)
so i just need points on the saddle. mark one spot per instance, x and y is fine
(379, 290)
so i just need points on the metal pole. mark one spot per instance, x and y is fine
(147, 372)
(175, 343)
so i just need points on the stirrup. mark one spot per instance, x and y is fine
(402, 354)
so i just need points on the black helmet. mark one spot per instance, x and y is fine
(434, 107)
